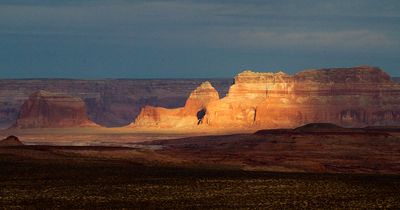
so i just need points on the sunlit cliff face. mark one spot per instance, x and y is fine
(351, 97)
(188, 116)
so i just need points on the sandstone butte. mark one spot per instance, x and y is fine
(350, 97)
(46, 109)
(10, 141)
(189, 116)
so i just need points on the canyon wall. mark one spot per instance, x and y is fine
(110, 102)
(350, 97)
(255, 99)
(46, 109)
(188, 116)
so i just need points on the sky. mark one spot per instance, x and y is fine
(194, 39)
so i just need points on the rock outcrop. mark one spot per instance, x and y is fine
(109, 102)
(239, 107)
(188, 116)
(349, 97)
(46, 109)
(10, 141)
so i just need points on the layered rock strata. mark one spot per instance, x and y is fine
(46, 109)
(188, 116)
(350, 97)
(109, 102)
(10, 141)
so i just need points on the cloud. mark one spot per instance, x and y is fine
(354, 40)
(235, 26)
(227, 24)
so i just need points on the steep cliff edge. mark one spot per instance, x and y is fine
(46, 109)
(238, 108)
(188, 116)
(109, 102)
(10, 141)
(349, 97)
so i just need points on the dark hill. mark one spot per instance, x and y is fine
(310, 148)
(317, 127)
(10, 141)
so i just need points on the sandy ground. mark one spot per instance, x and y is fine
(106, 136)
(54, 180)
(302, 150)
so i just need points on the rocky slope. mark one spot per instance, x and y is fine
(110, 102)
(188, 116)
(46, 109)
(10, 141)
(350, 97)
(311, 148)
(239, 107)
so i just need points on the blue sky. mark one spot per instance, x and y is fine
(193, 39)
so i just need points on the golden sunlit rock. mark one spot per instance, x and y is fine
(188, 116)
(350, 97)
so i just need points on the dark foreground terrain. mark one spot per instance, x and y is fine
(317, 147)
(320, 166)
(72, 182)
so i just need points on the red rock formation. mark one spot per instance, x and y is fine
(10, 141)
(188, 116)
(109, 102)
(52, 110)
(238, 108)
(350, 97)
(200, 98)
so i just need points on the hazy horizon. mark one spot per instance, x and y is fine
(149, 78)
(148, 39)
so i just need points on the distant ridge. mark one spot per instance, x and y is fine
(319, 127)
(45, 109)
(117, 102)
(10, 141)
(332, 129)
(110, 102)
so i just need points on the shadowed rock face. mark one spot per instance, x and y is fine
(317, 147)
(110, 102)
(349, 97)
(188, 116)
(46, 109)
(10, 141)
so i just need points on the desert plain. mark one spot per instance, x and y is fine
(319, 139)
